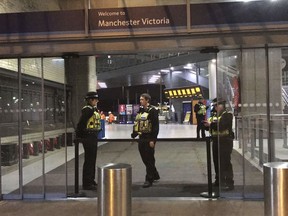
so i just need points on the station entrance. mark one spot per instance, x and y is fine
(41, 99)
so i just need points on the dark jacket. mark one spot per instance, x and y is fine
(87, 112)
(225, 123)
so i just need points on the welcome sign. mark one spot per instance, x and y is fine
(138, 18)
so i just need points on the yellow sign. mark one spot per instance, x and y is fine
(184, 92)
(187, 117)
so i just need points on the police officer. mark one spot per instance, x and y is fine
(200, 111)
(220, 126)
(87, 130)
(146, 125)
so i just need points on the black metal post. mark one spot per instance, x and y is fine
(76, 186)
(210, 193)
(76, 167)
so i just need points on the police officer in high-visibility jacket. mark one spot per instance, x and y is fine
(200, 111)
(220, 127)
(87, 130)
(146, 125)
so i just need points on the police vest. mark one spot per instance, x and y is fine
(142, 124)
(202, 110)
(215, 133)
(93, 122)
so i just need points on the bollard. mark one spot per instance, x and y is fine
(276, 188)
(114, 190)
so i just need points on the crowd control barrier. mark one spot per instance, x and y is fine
(114, 189)
(276, 188)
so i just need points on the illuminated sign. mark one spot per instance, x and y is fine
(183, 92)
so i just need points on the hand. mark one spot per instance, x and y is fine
(133, 135)
(152, 144)
(206, 123)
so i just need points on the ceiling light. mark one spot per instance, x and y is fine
(188, 66)
(165, 70)
(156, 76)
(58, 60)
(102, 84)
(177, 72)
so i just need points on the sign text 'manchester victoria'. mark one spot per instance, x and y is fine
(131, 22)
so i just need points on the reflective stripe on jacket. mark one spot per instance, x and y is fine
(215, 133)
(93, 122)
(202, 110)
(142, 123)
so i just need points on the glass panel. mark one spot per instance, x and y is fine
(278, 103)
(242, 77)
(32, 115)
(284, 68)
(9, 124)
(229, 151)
(54, 118)
(247, 84)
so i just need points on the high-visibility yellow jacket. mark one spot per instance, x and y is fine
(89, 122)
(221, 125)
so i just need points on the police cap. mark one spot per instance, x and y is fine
(91, 94)
(221, 101)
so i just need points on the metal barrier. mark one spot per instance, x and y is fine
(114, 189)
(276, 188)
(254, 136)
(210, 193)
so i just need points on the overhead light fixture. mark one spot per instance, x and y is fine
(177, 72)
(188, 66)
(57, 60)
(165, 70)
(154, 78)
(102, 84)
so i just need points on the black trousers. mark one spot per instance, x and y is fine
(200, 126)
(90, 155)
(147, 155)
(222, 160)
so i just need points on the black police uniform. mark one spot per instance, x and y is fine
(89, 140)
(200, 118)
(222, 149)
(146, 152)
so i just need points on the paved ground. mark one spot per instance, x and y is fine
(140, 207)
(183, 170)
(182, 167)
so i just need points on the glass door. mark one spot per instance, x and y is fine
(33, 128)
(10, 134)
(252, 81)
